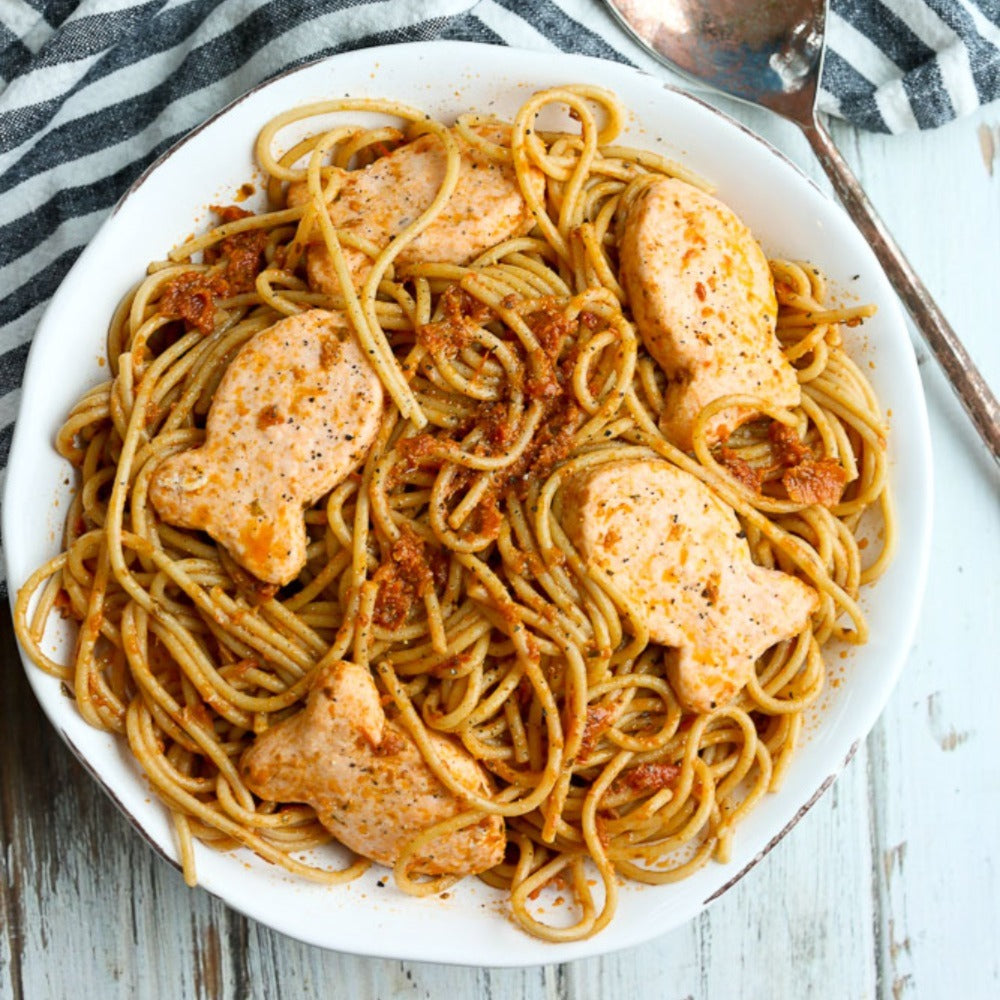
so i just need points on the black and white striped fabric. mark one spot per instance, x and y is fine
(92, 91)
(894, 65)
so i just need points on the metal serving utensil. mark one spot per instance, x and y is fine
(770, 53)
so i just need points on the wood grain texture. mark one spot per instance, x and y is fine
(934, 768)
(889, 886)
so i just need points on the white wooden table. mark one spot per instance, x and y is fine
(889, 888)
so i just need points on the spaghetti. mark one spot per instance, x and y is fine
(507, 376)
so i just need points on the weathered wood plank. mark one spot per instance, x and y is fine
(935, 756)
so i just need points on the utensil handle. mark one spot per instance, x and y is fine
(969, 385)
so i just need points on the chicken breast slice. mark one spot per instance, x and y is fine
(380, 201)
(295, 412)
(677, 554)
(366, 778)
(703, 300)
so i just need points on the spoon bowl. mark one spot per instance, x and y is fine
(770, 53)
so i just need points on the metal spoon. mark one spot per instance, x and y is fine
(770, 53)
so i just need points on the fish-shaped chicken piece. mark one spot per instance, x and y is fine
(378, 202)
(295, 412)
(677, 554)
(366, 779)
(703, 299)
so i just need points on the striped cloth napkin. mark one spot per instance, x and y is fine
(92, 91)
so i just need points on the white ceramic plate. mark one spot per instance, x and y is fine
(790, 217)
